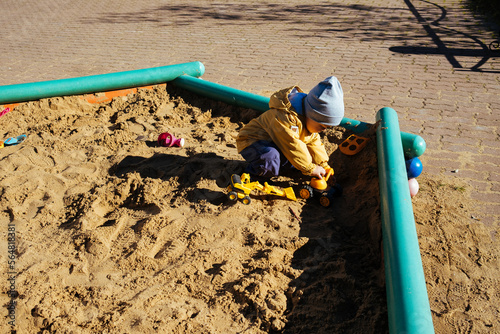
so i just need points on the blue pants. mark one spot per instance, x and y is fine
(265, 159)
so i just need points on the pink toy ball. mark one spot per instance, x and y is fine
(413, 184)
(168, 140)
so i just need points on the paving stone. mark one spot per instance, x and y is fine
(378, 49)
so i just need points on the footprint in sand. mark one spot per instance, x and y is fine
(37, 156)
(164, 237)
(99, 241)
(80, 172)
(25, 158)
(171, 240)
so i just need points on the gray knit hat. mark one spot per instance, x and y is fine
(325, 102)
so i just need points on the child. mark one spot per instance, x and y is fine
(288, 132)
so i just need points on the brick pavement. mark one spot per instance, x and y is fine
(426, 60)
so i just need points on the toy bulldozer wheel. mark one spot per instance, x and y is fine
(325, 200)
(306, 192)
(246, 200)
(233, 196)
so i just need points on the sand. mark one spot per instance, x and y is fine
(116, 234)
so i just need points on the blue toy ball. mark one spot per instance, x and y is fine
(413, 167)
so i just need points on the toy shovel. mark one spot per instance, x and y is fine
(13, 140)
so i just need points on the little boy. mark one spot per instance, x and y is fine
(288, 132)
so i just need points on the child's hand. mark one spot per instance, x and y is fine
(318, 172)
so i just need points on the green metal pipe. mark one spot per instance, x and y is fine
(222, 93)
(407, 300)
(414, 145)
(97, 83)
(354, 125)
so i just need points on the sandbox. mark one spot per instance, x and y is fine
(407, 301)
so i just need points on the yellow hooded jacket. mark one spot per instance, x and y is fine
(287, 129)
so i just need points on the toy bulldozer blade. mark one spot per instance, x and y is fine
(290, 194)
(287, 192)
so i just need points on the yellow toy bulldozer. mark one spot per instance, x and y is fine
(241, 187)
